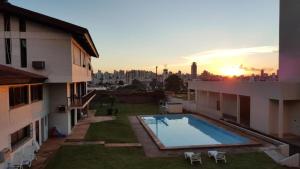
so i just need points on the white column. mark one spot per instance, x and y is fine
(75, 116)
(221, 103)
(196, 96)
(238, 110)
(189, 95)
(207, 99)
(281, 119)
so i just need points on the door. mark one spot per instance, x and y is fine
(43, 129)
(72, 118)
(37, 131)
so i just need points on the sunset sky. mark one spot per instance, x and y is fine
(223, 36)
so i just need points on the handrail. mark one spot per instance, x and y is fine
(76, 101)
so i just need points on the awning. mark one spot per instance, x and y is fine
(9, 76)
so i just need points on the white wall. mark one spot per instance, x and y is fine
(230, 104)
(45, 44)
(14, 119)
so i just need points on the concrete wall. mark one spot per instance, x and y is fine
(292, 117)
(273, 117)
(264, 115)
(45, 44)
(58, 94)
(259, 114)
(289, 41)
(230, 105)
(14, 119)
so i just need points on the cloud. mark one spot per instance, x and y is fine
(207, 56)
(253, 69)
(213, 60)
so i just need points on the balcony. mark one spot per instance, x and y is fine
(81, 102)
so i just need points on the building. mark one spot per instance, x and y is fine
(270, 107)
(45, 64)
(194, 71)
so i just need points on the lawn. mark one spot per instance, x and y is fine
(119, 130)
(98, 157)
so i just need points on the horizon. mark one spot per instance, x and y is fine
(225, 38)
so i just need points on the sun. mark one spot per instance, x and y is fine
(232, 71)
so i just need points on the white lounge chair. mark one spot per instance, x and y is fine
(28, 155)
(218, 156)
(36, 146)
(193, 157)
(16, 162)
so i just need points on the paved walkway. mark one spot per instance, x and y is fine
(80, 129)
(51, 146)
(48, 149)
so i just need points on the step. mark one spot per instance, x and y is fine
(275, 155)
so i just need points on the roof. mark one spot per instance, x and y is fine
(9, 76)
(81, 34)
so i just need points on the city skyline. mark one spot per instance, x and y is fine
(185, 33)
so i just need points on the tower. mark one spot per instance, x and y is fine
(194, 70)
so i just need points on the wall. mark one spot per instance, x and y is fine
(58, 94)
(273, 117)
(47, 44)
(43, 44)
(81, 61)
(289, 40)
(12, 120)
(230, 104)
(292, 117)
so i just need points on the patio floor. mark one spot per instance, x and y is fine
(50, 147)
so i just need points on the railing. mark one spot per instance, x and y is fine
(81, 101)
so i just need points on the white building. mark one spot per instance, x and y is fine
(272, 108)
(45, 64)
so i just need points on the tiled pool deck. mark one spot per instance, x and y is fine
(153, 150)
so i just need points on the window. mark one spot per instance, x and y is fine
(22, 25)
(8, 51)
(20, 136)
(77, 55)
(23, 52)
(36, 92)
(18, 96)
(6, 23)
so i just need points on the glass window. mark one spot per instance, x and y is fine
(22, 25)
(8, 51)
(18, 96)
(6, 22)
(20, 136)
(36, 92)
(23, 46)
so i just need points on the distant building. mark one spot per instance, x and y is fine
(194, 71)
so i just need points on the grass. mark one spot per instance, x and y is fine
(119, 130)
(98, 157)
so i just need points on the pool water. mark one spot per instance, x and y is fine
(188, 130)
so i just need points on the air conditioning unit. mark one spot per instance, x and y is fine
(5, 155)
(39, 65)
(61, 108)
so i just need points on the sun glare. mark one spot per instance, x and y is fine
(232, 71)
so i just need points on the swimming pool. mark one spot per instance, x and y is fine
(185, 130)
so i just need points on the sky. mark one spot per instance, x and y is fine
(223, 36)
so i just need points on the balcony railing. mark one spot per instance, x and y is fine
(81, 101)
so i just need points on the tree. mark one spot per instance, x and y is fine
(138, 85)
(173, 83)
(121, 82)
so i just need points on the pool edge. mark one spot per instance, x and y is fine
(213, 146)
